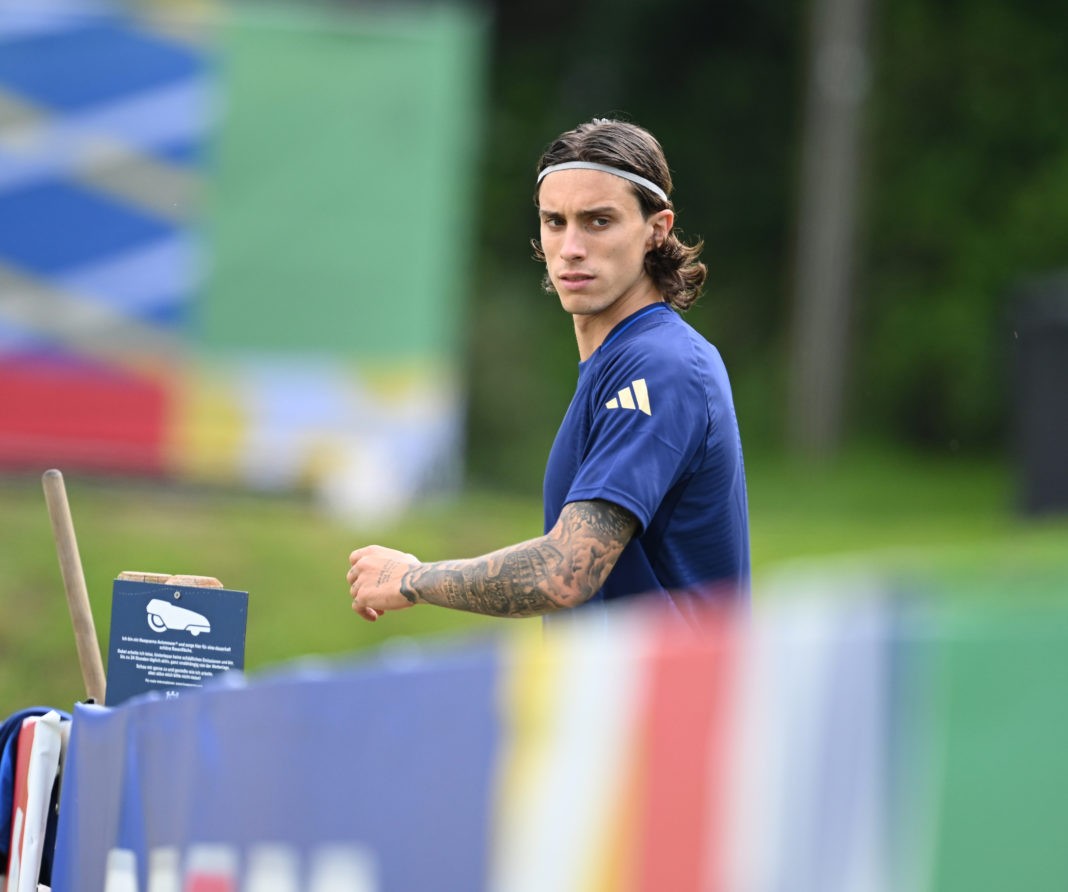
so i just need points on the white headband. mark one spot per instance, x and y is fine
(604, 168)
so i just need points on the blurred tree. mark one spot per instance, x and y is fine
(968, 195)
(838, 80)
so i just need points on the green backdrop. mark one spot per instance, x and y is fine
(340, 217)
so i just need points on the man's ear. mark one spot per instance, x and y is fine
(662, 222)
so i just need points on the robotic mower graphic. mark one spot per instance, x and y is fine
(163, 616)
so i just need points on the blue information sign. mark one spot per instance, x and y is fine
(170, 638)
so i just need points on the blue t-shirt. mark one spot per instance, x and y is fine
(652, 428)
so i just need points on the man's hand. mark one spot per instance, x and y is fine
(375, 580)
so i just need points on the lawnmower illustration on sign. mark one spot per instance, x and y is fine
(163, 616)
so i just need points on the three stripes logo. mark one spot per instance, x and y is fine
(634, 396)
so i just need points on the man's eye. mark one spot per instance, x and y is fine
(601, 222)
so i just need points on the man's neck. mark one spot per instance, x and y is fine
(590, 331)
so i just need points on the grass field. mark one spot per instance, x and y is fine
(950, 523)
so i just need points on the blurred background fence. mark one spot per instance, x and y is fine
(234, 244)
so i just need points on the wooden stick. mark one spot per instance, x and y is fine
(70, 564)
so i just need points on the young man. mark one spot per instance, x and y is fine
(645, 484)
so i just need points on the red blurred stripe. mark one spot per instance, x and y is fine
(61, 412)
(687, 718)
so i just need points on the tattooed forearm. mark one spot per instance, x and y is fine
(561, 569)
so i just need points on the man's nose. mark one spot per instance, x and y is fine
(574, 245)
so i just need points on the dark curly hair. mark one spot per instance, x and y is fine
(673, 266)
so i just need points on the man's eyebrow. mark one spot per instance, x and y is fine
(602, 211)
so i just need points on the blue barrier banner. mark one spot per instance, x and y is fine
(821, 744)
(379, 771)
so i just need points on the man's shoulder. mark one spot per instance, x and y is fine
(668, 343)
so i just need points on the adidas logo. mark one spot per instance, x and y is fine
(636, 396)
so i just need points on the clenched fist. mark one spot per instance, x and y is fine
(375, 578)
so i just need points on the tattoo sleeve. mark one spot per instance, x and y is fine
(561, 569)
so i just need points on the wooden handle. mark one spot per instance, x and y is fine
(70, 566)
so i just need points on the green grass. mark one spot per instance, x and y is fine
(951, 522)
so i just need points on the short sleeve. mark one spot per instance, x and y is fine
(649, 420)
